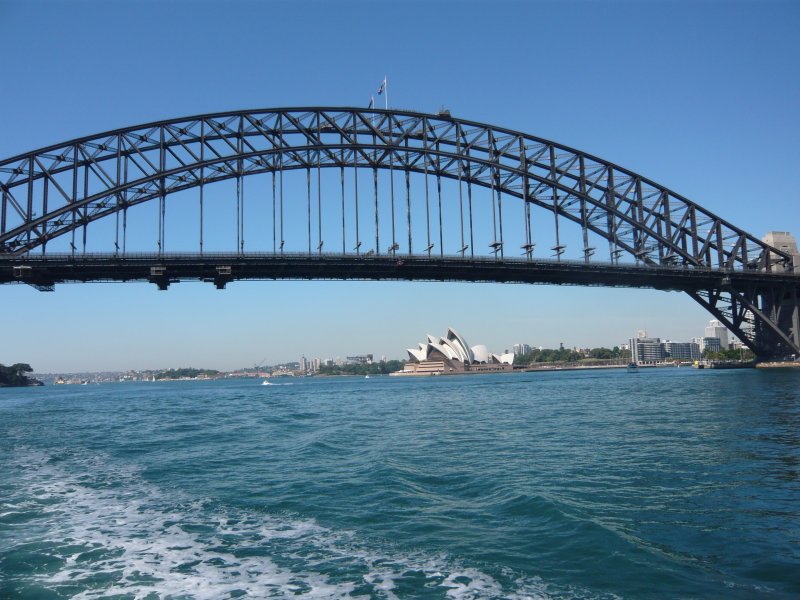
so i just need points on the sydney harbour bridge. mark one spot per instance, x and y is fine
(347, 193)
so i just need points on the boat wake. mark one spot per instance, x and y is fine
(97, 530)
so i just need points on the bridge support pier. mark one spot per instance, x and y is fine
(765, 317)
(781, 307)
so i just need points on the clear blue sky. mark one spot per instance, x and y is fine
(702, 97)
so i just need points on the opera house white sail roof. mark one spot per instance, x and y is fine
(454, 347)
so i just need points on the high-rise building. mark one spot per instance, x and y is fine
(715, 329)
(520, 349)
(303, 364)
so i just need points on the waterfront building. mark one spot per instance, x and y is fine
(713, 344)
(303, 364)
(682, 350)
(715, 329)
(646, 349)
(450, 355)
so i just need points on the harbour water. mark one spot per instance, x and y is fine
(672, 483)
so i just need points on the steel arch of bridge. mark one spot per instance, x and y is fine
(61, 189)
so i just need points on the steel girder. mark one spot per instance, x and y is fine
(51, 191)
(764, 315)
(62, 188)
(52, 268)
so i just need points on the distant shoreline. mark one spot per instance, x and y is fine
(31, 383)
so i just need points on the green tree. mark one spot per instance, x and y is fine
(547, 355)
(379, 368)
(14, 376)
(741, 354)
(185, 372)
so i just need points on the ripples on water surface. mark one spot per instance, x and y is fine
(663, 484)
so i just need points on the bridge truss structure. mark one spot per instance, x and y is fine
(527, 188)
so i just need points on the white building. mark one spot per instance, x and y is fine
(715, 329)
(521, 349)
(361, 359)
(712, 344)
(451, 354)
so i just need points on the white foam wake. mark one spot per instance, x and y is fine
(115, 534)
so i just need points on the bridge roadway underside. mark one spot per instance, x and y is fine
(44, 272)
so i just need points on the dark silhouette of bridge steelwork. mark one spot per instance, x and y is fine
(439, 199)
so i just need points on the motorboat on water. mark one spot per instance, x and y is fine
(266, 382)
(633, 367)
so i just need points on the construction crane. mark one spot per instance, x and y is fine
(257, 366)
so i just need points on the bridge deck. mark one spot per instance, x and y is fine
(221, 268)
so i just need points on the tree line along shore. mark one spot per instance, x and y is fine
(14, 376)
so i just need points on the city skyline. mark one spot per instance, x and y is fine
(351, 357)
(712, 329)
(703, 96)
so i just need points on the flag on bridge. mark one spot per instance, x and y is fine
(384, 90)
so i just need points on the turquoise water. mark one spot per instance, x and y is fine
(669, 483)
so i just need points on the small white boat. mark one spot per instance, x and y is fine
(366, 376)
(266, 382)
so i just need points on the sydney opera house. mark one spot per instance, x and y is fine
(451, 355)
